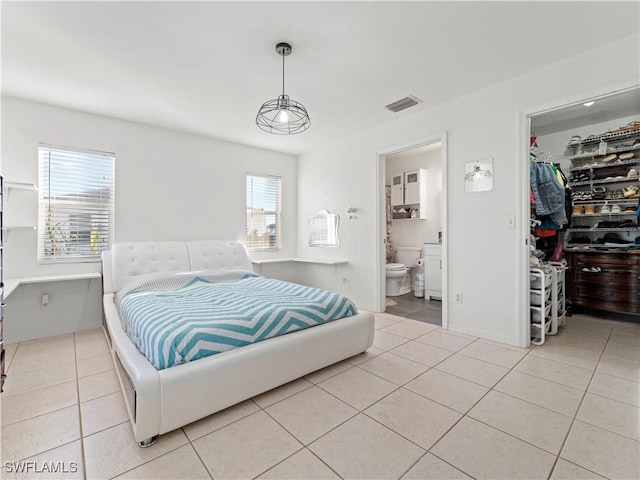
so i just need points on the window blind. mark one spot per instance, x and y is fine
(75, 204)
(264, 210)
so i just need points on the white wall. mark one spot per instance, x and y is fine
(485, 260)
(169, 186)
(412, 232)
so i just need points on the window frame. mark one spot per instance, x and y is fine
(103, 208)
(251, 247)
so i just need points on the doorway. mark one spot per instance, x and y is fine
(599, 222)
(411, 221)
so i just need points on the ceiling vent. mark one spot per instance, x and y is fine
(403, 103)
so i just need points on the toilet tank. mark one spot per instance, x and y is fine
(408, 255)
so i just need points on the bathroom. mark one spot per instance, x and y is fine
(413, 180)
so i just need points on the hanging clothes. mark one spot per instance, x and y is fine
(550, 195)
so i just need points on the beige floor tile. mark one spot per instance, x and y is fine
(622, 339)
(92, 365)
(387, 341)
(535, 425)
(577, 322)
(579, 343)
(182, 463)
(114, 451)
(302, 464)
(363, 357)
(562, 373)
(477, 371)
(620, 368)
(221, 419)
(448, 390)
(327, 372)
(311, 413)
(617, 417)
(280, 393)
(102, 413)
(431, 467)
(39, 434)
(521, 350)
(616, 388)
(422, 353)
(484, 452)
(603, 452)
(585, 333)
(61, 463)
(8, 356)
(443, 339)
(568, 355)
(394, 368)
(383, 320)
(625, 352)
(546, 394)
(391, 316)
(408, 329)
(225, 451)
(358, 388)
(25, 405)
(504, 357)
(97, 385)
(414, 417)
(91, 344)
(362, 448)
(568, 471)
(631, 329)
(35, 379)
(43, 354)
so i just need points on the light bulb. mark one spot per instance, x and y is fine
(283, 116)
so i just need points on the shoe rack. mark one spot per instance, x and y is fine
(604, 178)
(547, 300)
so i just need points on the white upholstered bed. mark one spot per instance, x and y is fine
(159, 401)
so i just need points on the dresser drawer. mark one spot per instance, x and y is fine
(604, 260)
(618, 280)
(606, 293)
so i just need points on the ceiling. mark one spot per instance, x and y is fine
(206, 67)
(604, 109)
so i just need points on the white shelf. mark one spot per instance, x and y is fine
(318, 261)
(20, 186)
(19, 227)
(10, 284)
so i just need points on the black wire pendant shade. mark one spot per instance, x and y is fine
(283, 116)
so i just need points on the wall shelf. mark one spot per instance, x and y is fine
(20, 186)
(11, 284)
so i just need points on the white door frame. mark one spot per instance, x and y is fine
(524, 121)
(380, 220)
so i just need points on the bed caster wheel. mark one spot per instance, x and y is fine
(148, 442)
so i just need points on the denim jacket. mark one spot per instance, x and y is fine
(550, 195)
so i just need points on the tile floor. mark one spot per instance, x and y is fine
(422, 403)
(416, 308)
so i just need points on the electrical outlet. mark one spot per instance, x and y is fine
(458, 298)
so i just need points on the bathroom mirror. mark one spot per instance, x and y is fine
(323, 229)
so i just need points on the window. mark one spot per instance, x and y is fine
(264, 209)
(75, 204)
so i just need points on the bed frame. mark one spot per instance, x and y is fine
(159, 401)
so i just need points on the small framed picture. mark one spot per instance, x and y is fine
(478, 176)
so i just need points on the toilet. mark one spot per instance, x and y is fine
(399, 274)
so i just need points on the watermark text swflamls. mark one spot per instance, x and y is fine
(31, 466)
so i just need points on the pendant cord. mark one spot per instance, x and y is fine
(283, 74)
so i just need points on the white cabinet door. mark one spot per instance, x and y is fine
(433, 273)
(412, 187)
(397, 190)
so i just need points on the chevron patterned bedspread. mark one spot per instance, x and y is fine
(175, 318)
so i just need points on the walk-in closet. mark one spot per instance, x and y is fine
(585, 241)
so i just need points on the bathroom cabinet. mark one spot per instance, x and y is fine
(432, 254)
(409, 194)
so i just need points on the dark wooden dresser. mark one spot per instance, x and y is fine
(604, 280)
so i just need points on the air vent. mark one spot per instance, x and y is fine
(403, 103)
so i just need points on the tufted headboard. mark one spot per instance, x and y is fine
(127, 260)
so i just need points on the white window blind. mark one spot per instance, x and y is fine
(75, 204)
(264, 209)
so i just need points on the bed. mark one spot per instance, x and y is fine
(161, 400)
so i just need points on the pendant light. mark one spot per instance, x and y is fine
(283, 116)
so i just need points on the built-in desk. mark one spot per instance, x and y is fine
(10, 284)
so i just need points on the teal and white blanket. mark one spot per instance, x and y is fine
(175, 318)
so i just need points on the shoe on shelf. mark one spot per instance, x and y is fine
(615, 210)
(605, 210)
(630, 191)
(577, 210)
(589, 209)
